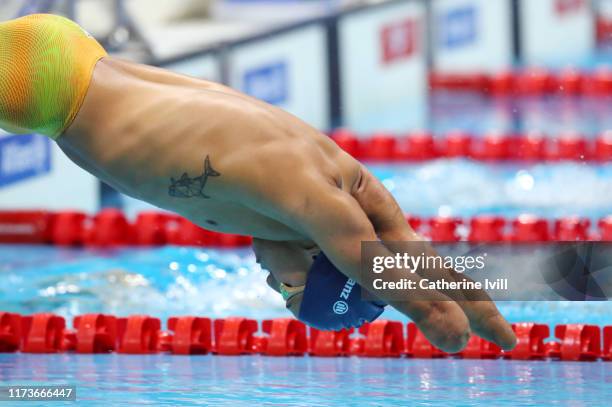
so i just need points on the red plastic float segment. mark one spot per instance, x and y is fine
(138, 334)
(109, 228)
(380, 147)
(606, 352)
(43, 333)
(528, 228)
(456, 144)
(569, 147)
(348, 141)
(95, 333)
(598, 82)
(487, 229)
(419, 347)
(478, 82)
(68, 228)
(329, 343)
(570, 81)
(25, 226)
(530, 341)
(231, 241)
(572, 229)
(444, 229)
(478, 348)
(382, 338)
(10, 332)
(235, 336)
(286, 336)
(191, 335)
(535, 82)
(578, 342)
(605, 229)
(531, 147)
(186, 233)
(418, 146)
(493, 147)
(603, 147)
(150, 228)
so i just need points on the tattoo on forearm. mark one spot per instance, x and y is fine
(186, 187)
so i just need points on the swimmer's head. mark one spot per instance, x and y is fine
(331, 301)
(46, 64)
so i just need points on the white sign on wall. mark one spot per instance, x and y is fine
(556, 32)
(202, 67)
(35, 174)
(472, 35)
(288, 70)
(383, 67)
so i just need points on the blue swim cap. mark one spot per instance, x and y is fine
(332, 301)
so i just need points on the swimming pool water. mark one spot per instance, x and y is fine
(308, 381)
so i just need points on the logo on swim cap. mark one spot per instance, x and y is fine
(340, 307)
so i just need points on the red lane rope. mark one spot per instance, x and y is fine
(422, 146)
(110, 228)
(528, 82)
(142, 334)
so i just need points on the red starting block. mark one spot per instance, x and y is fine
(138, 334)
(95, 333)
(109, 228)
(381, 339)
(25, 226)
(10, 332)
(419, 347)
(330, 343)
(576, 342)
(606, 353)
(235, 336)
(191, 335)
(68, 228)
(530, 341)
(286, 336)
(43, 333)
(478, 348)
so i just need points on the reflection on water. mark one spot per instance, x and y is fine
(248, 380)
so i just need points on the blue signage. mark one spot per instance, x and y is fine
(458, 27)
(23, 157)
(268, 83)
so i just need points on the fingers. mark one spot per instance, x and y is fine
(487, 322)
(390, 225)
(442, 322)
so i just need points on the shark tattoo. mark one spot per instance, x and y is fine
(186, 187)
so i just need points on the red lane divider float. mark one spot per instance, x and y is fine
(422, 146)
(530, 82)
(191, 335)
(111, 229)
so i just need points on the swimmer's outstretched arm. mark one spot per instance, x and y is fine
(338, 222)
